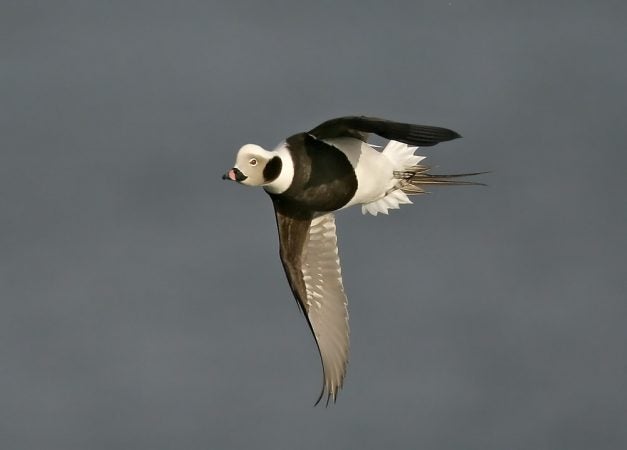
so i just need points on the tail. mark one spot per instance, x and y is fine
(414, 178)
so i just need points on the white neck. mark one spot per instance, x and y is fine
(284, 180)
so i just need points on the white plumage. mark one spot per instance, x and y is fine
(314, 173)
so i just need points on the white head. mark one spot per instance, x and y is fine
(255, 166)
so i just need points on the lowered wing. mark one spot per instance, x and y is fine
(308, 249)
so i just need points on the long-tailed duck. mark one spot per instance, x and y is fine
(313, 174)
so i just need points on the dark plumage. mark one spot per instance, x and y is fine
(315, 173)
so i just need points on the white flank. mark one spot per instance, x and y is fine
(402, 158)
(377, 190)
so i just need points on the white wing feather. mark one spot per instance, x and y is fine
(326, 302)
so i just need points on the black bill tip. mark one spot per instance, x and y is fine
(235, 175)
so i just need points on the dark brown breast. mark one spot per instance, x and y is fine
(324, 179)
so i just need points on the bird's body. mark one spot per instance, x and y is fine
(310, 176)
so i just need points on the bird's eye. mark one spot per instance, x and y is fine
(252, 162)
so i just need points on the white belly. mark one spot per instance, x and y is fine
(373, 169)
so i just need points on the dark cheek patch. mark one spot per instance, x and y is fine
(272, 169)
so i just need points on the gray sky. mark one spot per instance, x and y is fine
(142, 300)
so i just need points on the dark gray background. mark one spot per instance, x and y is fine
(142, 300)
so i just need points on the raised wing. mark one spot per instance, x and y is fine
(308, 249)
(359, 127)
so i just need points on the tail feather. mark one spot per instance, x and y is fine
(413, 178)
(410, 178)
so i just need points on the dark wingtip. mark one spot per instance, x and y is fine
(320, 396)
(329, 397)
(448, 135)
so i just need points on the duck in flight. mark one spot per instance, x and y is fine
(313, 174)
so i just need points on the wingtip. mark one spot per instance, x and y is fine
(319, 397)
(330, 395)
(448, 135)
